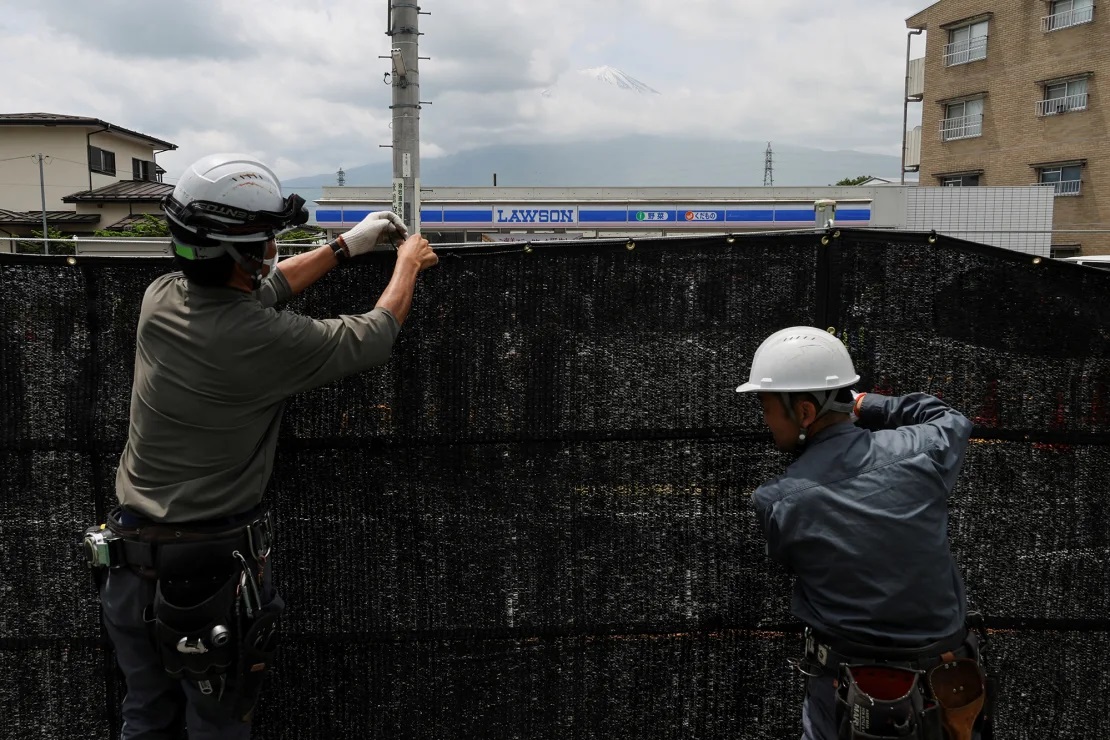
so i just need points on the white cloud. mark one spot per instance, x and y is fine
(300, 83)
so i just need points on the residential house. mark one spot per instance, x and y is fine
(94, 174)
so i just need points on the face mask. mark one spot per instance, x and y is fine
(272, 264)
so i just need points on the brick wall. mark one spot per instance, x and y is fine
(1020, 56)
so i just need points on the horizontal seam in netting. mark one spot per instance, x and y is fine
(1077, 439)
(995, 625)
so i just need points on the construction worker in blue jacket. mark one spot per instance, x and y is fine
(860, 518)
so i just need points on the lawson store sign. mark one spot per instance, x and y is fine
(717, 217)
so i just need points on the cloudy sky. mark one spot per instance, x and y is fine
(299, 84)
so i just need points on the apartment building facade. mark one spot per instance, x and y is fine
(1017, 92)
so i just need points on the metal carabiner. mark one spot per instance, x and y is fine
(191, 646)
(800, 665)
(245, 580)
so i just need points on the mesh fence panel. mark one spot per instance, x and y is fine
(535, 520)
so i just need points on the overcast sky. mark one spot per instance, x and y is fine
(299, 84)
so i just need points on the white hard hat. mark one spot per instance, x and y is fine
(800, 359)
(231, 198)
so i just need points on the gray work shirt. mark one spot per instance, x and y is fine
(861, 519)
(213, 367)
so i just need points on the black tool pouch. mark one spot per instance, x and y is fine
(191, 622)
(257, 649)
(879, 701)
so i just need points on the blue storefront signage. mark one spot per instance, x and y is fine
(534, 214)
(716, 217)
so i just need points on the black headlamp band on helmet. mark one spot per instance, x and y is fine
(208, 218)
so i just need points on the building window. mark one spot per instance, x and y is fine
(1061, 97)
(141, 169)
(959, 181)
(1064, 178)
(102, 161)
(966, 44)
(962, 120)
(1068, 13)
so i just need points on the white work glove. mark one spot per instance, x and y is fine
(854, 416)
(363, 237)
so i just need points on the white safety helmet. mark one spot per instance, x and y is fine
(802, 359)
(232, 199)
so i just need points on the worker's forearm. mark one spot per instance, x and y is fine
(304, 269)
(397, 297)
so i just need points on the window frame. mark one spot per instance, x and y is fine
(1058, 182)
(972, 52)
(102, 161)
(141, 167)
(960, 181)
(1049, 22)
(955, 133)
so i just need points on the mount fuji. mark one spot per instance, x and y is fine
(597, 77)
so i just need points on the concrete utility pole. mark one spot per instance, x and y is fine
(404, 30)
(42, 193)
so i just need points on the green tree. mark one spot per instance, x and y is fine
(854, 180)
(307, 238)
(59, 243)
(151, 226)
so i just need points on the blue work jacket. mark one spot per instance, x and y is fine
(861, 520)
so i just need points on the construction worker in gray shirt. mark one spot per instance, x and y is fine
(184, 561)
(860, 518)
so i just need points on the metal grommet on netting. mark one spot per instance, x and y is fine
(528, 247)
(71, 260)
(836, 234)
(831, 330)
(731, 238)
(630, 245)
(1037, 260)
(933, 236)
(825, 240)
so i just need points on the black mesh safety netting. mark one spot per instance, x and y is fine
(534, 522)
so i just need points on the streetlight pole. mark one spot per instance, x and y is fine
(42, 193)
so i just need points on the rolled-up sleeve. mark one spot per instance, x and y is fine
(274, 290)
(316, 352)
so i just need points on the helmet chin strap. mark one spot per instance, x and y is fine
(252, 266)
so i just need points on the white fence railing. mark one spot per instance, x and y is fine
(1063, 187)
(1053, 106)
(964, 127)
(94, 246)
(962, 52)
(1067, 19)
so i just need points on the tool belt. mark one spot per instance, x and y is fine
(932, 692)
(150, 547)
(210, 620)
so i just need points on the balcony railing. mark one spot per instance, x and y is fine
(964, 127)
(962, 52)
(1063, 187)
(1067, 19)
(1053, 106)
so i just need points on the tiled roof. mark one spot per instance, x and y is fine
(128, 221)
(125, 190)
(34, 218)
(57, 119)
